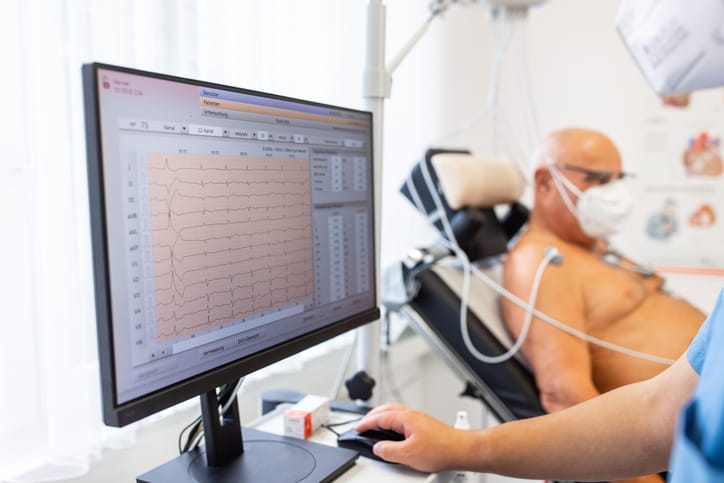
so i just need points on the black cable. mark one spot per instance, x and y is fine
(388, 329)
(328, 427)
(225, 393)
(334, 425)
(198, 427)
(180, 435)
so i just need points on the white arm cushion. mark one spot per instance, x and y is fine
(477, 182)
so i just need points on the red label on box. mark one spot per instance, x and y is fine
(305, 417)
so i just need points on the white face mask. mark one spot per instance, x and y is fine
(601, 210)
(678, 44)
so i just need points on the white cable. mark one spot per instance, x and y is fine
(524, 132)
(550, 254)
(505, 28)
(517, 150)
(343, 368)
(233, 396)
(533, 111)
(510, 34)
(561, 326)
(462, 128)
(615, 260)
(387, 380)
(501, 46)
(569, 330)
(460, 254)
(466, 288)
(197, 440)
(519, 88)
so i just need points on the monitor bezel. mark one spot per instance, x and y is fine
(115, 414)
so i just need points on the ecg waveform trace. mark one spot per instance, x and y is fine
(232, 238)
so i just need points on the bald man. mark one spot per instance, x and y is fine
(627, 431)
(613, 303)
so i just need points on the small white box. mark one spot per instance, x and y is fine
(302, 419)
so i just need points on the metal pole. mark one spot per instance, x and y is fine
(375, 89)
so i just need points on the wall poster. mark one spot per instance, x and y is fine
(678, 219)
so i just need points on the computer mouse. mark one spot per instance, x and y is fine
(363, 442)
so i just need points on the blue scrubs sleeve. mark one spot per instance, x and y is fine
(696, 352)
(698, 454)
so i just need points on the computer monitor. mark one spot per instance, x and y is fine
(230, 229)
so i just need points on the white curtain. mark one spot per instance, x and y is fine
(50, 421)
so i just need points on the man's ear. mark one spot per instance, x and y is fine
(542, 179)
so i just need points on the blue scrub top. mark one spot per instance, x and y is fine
(698, 454)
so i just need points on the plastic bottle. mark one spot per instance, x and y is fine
(457, 476)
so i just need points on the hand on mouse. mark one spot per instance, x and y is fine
(429, 444)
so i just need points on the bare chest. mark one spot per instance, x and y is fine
(611, 293)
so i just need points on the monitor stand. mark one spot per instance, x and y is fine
(258, 456)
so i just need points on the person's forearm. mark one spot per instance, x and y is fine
(623, 433)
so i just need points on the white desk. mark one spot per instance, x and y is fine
(365, 469)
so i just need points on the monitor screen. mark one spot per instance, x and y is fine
(231, 229)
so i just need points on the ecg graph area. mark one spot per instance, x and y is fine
(231, 237)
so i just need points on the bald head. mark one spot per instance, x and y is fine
(585, 158)
(579, 147)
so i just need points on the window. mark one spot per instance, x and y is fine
(311, 50)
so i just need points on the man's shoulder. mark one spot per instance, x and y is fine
(525, 256)
(532, 246)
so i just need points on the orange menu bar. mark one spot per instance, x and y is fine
(275, 111)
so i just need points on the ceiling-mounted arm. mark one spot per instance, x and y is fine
(437, 7)
(378, 75)
(377, 81)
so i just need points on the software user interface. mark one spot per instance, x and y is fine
(234, 220)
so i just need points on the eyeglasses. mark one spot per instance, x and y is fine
(596, 176)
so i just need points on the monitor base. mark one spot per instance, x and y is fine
(267, 458)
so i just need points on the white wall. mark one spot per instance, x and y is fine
(581, 76)
(581, 73)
